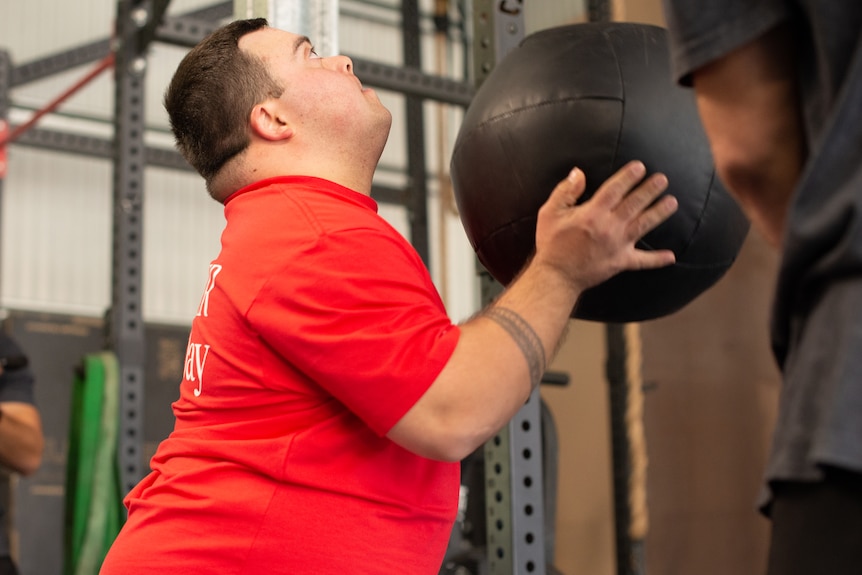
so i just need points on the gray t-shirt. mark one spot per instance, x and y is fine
(817, 314)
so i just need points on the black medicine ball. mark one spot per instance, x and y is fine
(594, 96)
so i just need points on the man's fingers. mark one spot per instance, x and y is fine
(651, 259)
(617, 187)
(653, 216)
(641, 197)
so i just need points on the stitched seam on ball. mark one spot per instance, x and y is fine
(505, 115)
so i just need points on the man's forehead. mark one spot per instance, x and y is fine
(265, 40)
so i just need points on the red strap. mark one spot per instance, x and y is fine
(7, 137)
(4, 134)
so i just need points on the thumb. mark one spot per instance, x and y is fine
(569, 190)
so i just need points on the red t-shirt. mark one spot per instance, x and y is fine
(318, 329)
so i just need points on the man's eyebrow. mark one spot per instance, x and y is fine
(299, 43)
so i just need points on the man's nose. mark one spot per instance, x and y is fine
(341, 63)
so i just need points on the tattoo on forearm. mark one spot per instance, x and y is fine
(524, 336)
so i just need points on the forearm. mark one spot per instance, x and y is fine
(749, 105)
(21, 438)
(500, 358)
(761, 175)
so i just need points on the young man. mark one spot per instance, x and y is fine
(790, 73)
(327, 397)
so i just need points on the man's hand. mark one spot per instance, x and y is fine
(591, 242)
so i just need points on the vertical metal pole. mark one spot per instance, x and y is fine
(498, 27)
(125, 325)
(599, 10)
(515, 494)
(417, 203)
(629, 553)
(5, 128)
(514, 491)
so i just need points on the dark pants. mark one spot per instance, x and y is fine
(7, 567)
(817, 527)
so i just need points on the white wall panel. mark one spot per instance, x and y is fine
(56, 232)
(57, 237)
(39, 28)
(182, 227)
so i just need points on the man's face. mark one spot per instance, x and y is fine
(323, 97)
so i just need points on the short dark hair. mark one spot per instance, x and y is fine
(211, 96)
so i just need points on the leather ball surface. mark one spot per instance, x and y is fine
(595, 96)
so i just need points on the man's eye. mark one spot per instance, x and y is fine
(312, 53)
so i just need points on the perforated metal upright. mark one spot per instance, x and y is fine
(417, 189)
(125, 321)
(514, 492)
(515, 495)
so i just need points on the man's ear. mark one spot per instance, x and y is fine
(269, 122)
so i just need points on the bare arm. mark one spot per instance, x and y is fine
(21, 439)
(749, 106)
(503, 351)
